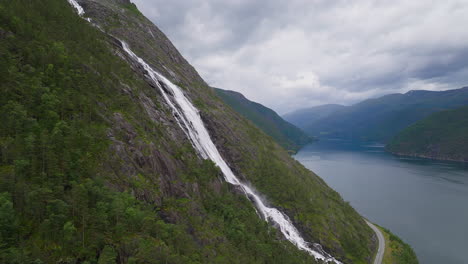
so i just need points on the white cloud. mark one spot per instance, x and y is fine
(298, 53)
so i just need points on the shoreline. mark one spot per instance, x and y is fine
(401, 154)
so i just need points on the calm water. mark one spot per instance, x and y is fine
(424, 202)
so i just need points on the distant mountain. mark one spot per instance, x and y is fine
(302, 117)
(381, 118)
(442, 135)
(286, 134)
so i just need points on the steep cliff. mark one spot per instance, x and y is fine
(94, 166)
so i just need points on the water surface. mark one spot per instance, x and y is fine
(424, 202)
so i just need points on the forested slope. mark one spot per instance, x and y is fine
(443, 135)
(95, 169)
(286, 134)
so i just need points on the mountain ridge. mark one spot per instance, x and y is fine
(378, 119)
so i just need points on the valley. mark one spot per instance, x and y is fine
(115, 147)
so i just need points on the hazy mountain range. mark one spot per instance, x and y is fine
(376, 119)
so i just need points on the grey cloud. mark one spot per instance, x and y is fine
(297, 53)
(442, 66)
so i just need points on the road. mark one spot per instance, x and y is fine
(381, 250)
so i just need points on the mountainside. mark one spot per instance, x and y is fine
(286, 134)
(98, 165)
(381, 118)
(442, 135)
(303, 117)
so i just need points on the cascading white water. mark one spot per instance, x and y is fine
(77, 6)
(189, 120)
(79, 9)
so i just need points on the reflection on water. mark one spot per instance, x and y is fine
(423, 201)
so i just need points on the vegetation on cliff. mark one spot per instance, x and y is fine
(63, 93)
(284, 133)
(443, 135)
(397, 251)
(95, 169)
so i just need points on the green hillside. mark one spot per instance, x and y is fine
(443, 135)
(95, 169)
(286, 134)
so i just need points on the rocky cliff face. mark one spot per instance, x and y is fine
(151, 144)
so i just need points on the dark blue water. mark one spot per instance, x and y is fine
(422, 201)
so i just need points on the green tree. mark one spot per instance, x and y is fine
(8, 225)
(108, 255)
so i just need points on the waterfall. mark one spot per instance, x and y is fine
(77, 6)
(188, 118)
(191, 123)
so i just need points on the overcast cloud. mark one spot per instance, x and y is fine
(299, 53)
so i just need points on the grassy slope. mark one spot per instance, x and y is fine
(397, 251)
(443, 135)
(286, 134)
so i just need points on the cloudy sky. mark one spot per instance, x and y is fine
(299, 53)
